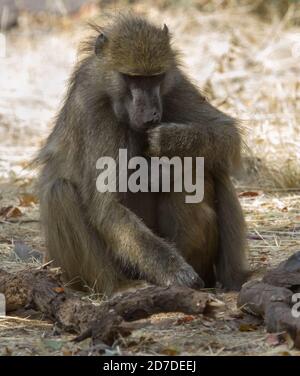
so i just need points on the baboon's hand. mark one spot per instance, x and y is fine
(163, 139)
(185, 276)
(172, 269)
(220, 150)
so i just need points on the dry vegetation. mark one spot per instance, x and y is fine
(246, 59)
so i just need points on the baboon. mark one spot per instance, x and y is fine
(130, 92)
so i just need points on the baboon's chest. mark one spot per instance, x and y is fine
(145, 206)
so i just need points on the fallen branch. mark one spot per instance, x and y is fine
(43, 290)
(271, 298)
(287, 274)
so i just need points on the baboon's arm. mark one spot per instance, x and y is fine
(139, 249)
(193, 127)
(219, 144)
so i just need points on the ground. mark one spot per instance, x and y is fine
(247, 66)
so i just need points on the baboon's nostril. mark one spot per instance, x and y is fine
(156, 116)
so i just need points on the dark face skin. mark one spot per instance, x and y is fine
(141, 104)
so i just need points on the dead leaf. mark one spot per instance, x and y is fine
(183, 320)
(170, 351)
(10, 212)
(249, 194)
(66, 352)
(28, 200)
(59, 290)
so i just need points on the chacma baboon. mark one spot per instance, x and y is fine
(129, 92)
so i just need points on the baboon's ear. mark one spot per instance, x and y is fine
(166, 29)
(100, 41)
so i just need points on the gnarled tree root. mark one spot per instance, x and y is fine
(271, 298)
(43, 290)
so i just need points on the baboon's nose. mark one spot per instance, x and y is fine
(156, 117)
(152, 118)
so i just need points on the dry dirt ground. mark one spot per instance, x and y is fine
(247, 67)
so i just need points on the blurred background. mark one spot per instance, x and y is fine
(244, 55)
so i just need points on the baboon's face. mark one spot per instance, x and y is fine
(141, 104)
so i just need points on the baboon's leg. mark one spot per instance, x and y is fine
(193, 228)
(232, 267)
(200, 245)
(72, 243)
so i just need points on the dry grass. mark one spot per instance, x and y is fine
(246, 64)
(249, 68)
